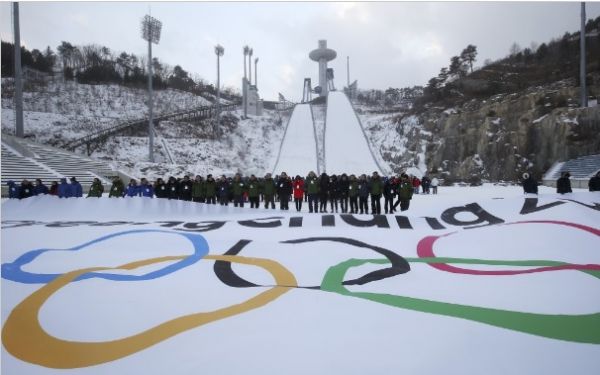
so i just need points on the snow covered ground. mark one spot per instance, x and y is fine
(346, 147)
(299, 146)
(473, 280)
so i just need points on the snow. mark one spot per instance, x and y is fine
(450, 111)
(58, 111)
(303, 330)
(250, 147)
(298, 152)
(568, 120)
(346, 146)
(539, 119)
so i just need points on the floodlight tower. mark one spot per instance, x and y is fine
(322, 55)
(151, 28)
(219, 51)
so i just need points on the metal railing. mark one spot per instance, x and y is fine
(190, 114)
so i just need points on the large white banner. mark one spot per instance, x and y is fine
(148, 286)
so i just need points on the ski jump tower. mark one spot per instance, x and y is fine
(345, 147)
(322, 55)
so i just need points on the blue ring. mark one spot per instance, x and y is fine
(13, 271)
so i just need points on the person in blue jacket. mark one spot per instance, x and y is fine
(64, 189)
(132, 190)
(13, 190)
(76, 190)
(146, 189)
(40, 188)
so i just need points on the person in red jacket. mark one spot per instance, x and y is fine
(416, 183)
(298, 187)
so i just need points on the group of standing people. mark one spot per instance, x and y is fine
(63, 190)
(341, 193)
(563, 184)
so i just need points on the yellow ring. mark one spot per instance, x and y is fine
(24, 337)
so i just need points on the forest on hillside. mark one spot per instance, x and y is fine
(95, 64)
(461, 81)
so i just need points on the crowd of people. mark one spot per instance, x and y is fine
(343, 193)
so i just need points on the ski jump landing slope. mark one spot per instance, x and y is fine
(346, 146)
(298, 151)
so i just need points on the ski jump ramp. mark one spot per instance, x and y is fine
(298, 151)
(346, 146)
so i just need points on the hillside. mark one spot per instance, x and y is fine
(56, 111)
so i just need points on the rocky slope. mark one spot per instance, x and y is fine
(494, 139)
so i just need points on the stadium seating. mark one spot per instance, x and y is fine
(581, 170)
(48, 163)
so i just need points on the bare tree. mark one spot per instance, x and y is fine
(515, 48)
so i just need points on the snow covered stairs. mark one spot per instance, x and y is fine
(17, 167)
(581, 169)
(49, 164)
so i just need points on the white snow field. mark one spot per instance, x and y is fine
(474, 280)
(298, 152)
(346, 147)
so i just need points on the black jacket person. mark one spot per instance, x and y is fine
(284, 191)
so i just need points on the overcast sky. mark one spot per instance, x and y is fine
(391, 44)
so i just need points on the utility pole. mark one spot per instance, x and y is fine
(584, 102)
(19, 132)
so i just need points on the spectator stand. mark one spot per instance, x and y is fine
(581, 170)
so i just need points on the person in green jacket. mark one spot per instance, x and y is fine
(353, 194)
(238, 187)
(405, 192)
(253, 191)
(117, 188)
(198, 190)
(376, 190)
(96, 189)
(311, 184)
(210, 189)
(268, 189)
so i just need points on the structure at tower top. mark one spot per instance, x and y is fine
(322, 55)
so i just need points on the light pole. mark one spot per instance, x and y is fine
(19, 132)
(151, 28)
(245, 84)
(255, 72)
(219, 51)
(582, 69)
(250, 65)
